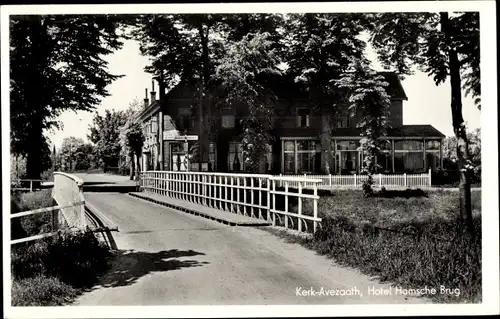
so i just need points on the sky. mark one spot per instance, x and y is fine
(427, 103)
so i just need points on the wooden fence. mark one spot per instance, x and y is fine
(252, 195)
(389, 181)
(68, 194)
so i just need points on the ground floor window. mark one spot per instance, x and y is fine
(409, 162)
(301, 156)
(384, 160)
(348, 158)
(236, 161)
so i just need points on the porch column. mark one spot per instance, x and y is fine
(441, 153)
(425, 157)
(160, 139)
(393, 151)
(335, 164)
(296, 164)
(282, 156)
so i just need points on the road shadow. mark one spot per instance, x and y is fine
(127, 266)
(98, 183)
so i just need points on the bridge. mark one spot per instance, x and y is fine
(202, 239)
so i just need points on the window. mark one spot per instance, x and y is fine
(432, 145)
(306, 157)
(235, 157)
(433, 155)
(227, 118)
(154, 124)
(409, 156)
(212, 156)
(344, 120)
(303, 117)
(347, 157)
(384, 158)
(289, 157)
(408, 145)
(347, 145)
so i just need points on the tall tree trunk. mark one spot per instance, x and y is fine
(138, 165)
(33, 163)
(459, 128)
(326, 142)
(204, 101)
(132, 165)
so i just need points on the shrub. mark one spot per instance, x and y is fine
(41, 291)
(32, 224)
(63, 257)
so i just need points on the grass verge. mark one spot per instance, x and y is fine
(412, 241)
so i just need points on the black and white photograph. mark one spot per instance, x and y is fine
(262, 159)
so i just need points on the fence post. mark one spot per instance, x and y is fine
(330, 178)
(430, 178)
(268, 202)
(315, 207)
(299, 219)
(380, 180)
(355, 182)
(406, 183)
(31, 185)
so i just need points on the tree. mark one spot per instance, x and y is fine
(245, 74)
(132, 138)
(56, 65)
(105, 134)
(445, 47)
(76, 155)
(69, 149)
(369, 99)
(321, 48)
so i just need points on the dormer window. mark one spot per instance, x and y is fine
(303, 117)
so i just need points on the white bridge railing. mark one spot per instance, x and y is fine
(68, 194)
(389, 181)
(252, 195)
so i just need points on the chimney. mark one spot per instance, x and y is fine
(146, 100)
(153, 93)
(161, 87)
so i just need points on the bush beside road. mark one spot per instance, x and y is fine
(55, 270)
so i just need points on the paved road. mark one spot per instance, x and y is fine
(173, 258)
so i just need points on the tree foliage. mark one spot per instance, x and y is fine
(76, 155)
(105, 134)
(245, 74)
(321, 49)
(369, 99)
(407, 40)
(132, 138)
(56, 65)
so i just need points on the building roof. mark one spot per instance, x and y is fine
(403, 131)
(395, 88)
(284, 86)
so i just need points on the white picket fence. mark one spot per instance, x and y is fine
(252, 195)
(68, 193)
(389, 181)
